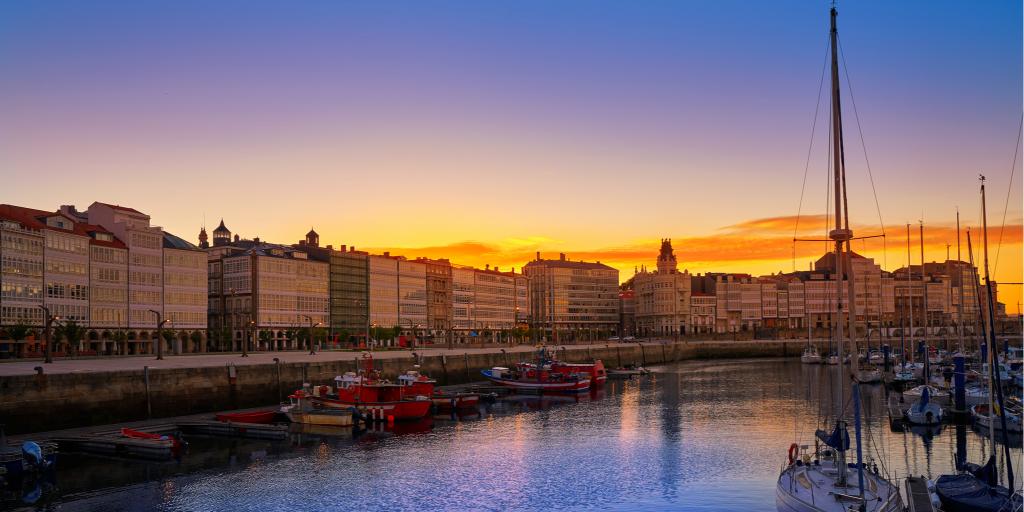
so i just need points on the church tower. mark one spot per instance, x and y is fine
(204, 242)
(221, 235)
(312, 239)
(666, 258)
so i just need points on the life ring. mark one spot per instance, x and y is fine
(794, 450)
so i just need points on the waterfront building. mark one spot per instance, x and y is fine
(348, 287)
(264, 293)
(185, 293)
(383, 290)
(439, 297)
(412, 297)
(105, 269)
(702, 313)
(494, 301)
(522, 300)
(463, 295)
(663, 297)
(577, 298)
(627, 313)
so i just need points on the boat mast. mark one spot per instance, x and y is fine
(960, 303)
(910, 298)
(994, 365)
(988, 381)
(840, 235)
(924, 307)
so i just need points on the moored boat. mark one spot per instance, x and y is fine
(810, 355)
(538, 380)
(259, 417)
(418, 384)
(302, 410)
(984, 419)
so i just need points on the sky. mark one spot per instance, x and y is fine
(487, 131)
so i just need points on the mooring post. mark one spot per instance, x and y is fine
(149, 404)
(643, 355)
(664, 357)
(444, 368)
(277, 366)
(465, 357)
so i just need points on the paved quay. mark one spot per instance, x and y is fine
(137, 363)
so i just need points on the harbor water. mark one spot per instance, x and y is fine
(698, 435)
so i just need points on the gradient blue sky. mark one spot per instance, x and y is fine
(570, 125)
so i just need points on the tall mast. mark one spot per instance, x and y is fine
(960, 277)
(840, 235)
(993, 368)
(988, 382)
(924, 307)
(910, 297)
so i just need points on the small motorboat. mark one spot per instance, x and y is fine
(301, 410)
(924, 411)
(628, 371)
(173, 441)
(936, 395)
(810, 356)
(259, 417)
(983, 418)
(869, 375)
(31, 458)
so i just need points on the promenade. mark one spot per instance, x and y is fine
(137, 363)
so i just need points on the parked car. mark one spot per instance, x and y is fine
(629, 338)
(613, 338)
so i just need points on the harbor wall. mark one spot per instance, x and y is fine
(35, 403)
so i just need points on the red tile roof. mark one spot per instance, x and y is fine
(31, 218)
(119, 207)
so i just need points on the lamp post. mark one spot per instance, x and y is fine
(159, 333)
(245, 339)
(312, 349)
(48, 321)
(369, 339)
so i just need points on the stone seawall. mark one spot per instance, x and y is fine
(34, 403)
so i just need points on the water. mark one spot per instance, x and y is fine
(700, 435)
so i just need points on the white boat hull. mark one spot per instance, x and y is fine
(813, 489)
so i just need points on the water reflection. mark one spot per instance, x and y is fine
(692, 436)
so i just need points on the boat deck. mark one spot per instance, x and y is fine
(918, 499)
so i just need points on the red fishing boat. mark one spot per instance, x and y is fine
(417, 384)
(260, 417)
(595, 370)
(545, 375)
(372, 396)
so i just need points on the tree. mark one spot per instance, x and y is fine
(265, 337)
(73, 333)
(121, 338)
(343, 335)
(396, 331)
(18, 331)
(196, 338)
(169, 335)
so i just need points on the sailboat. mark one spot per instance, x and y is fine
(819, 481)
(974, 488)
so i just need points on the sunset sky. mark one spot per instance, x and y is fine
(486, 131)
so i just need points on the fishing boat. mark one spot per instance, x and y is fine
(417, 384)
(258, 417)
(302, 410)
(596, 370)
(819, 481)
(544, 375)
(810, 355)
(374, 397)
(924, 411)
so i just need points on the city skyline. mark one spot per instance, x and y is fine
(487, 133)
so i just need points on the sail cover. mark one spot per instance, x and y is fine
(925, 395)
(838, 439)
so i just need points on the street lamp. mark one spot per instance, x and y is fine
(312, 350)
(245, 340)
(48, 320)
(369, 339)
(159, 333)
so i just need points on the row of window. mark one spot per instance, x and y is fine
(145, 278)
(109, 294)
(145, 297)
(187, 259)
(21, 291)
(109, 255)
(20, 243)
(191, 280)
(145, 260)
(20, 265)
(185, 298)
(66, 267)
(72, 244)
(146, 240)
(21, 314)
(67, 291)
(108, 275)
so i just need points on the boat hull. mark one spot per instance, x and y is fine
(381, 411)
(258, 417)
(455, 401)
(562, 387)
(330, 418)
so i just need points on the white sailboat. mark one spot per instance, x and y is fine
(820, 481)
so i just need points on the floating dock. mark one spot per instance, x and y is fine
(918, 497)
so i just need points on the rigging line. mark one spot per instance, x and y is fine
(1009, 189)
(810, 147)
(864, 147)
